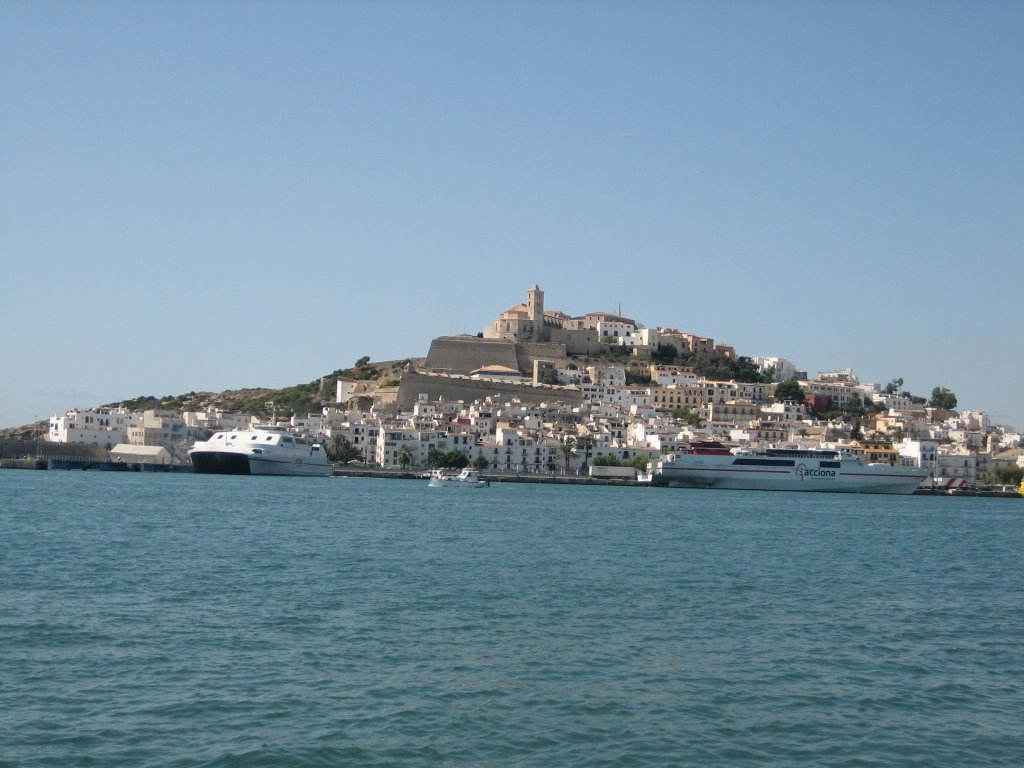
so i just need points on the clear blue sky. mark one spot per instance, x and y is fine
(212, 195)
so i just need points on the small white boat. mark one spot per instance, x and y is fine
(467, 478)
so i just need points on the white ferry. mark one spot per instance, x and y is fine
(467, 478)
(712, 465)
(259, 451)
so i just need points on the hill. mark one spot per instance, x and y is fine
(298, 399)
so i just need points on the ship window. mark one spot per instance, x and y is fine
(287, 440)
(269, 438)
(253, 437)
(766, 462)
(830, 465)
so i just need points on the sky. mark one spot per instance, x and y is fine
(217, 194)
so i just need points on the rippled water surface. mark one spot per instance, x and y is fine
(179, 620)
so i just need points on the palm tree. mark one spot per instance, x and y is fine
(404, 456)
(586, 442)
(568, 448)
(435, 458)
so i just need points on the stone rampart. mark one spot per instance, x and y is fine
(527, 352)
(463, 354)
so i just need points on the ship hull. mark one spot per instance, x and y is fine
(227, 463)
(219, 463)
(862, 478)
(293, 468)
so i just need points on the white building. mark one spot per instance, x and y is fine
(216, 420)
(784, 411)
(725, 391)
(838, 394)
(783, 369)
(641, 337)
(614, 330)
(607, 375)
(895, 402)
(344, 390)
(515, 450)
(167, 429)
(312, 424)
(673, 376)
(845, 376)
(955, 466)
(104, 428)
(922, 453)
(140, 454)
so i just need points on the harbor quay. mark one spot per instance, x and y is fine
(493, 476)
(498, 476)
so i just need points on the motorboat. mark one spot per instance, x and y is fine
(467, 478)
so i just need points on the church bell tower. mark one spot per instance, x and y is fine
(535, 304)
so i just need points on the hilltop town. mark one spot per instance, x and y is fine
(541, 391)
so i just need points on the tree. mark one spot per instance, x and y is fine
(1010, 475)
(480, 462)
(856, 433)
(455, 459)
(585, 443)
(789, 390)
(550, 376)
(686, 415)
(342, 450)
(856, 405)
(567, 449)
(639, 462)
(665, 353)
(893, 386)
(942, 398)
(435, 458)
(404, 456)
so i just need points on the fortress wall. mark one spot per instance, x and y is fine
(437, 386)
(527, 352)
(577, 342)
(462, 354)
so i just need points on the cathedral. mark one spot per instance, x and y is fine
(523, 322)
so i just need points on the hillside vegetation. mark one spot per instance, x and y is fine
(298, 399)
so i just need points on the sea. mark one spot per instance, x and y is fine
(175, 620)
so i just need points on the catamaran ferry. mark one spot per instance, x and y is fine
(712, 465)
(259, 451)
